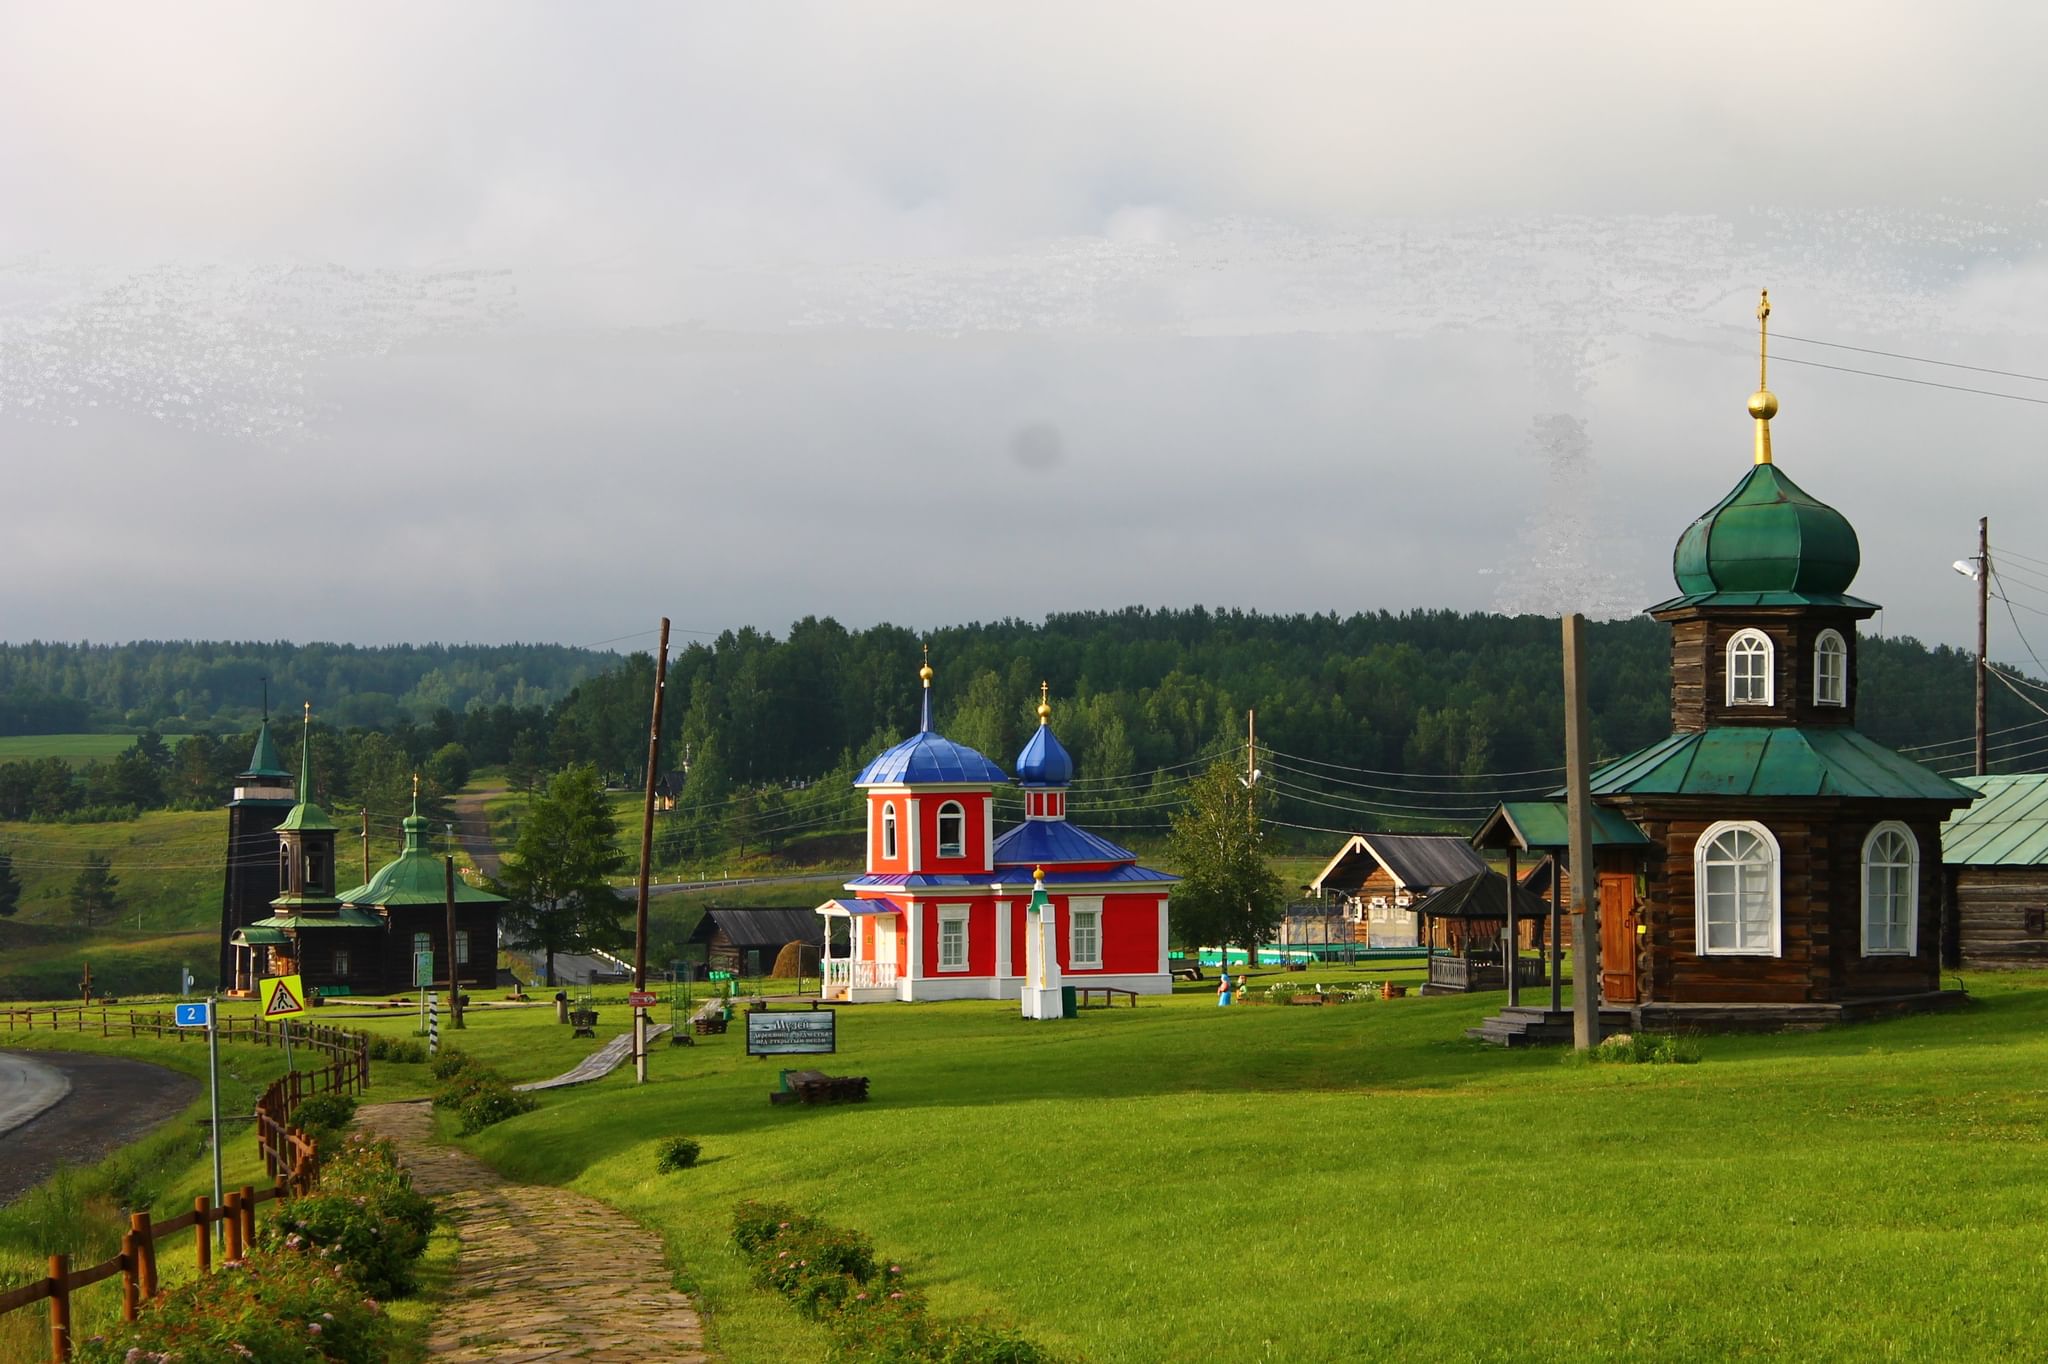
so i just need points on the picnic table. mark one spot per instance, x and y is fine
(816, 1087)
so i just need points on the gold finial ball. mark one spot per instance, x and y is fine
(1038, 874)
(1763, 404)
(1044, 712)
(924, 674)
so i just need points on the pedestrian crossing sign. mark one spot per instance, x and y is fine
(283, 996)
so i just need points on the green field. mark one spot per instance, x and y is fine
(76, 749)
(1356, 1182)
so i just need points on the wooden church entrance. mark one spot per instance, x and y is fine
(1617, 938)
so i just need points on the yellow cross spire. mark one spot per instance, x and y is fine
(1763, 404)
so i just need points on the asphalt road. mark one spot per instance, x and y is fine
(27, 1087)
(109, 1103)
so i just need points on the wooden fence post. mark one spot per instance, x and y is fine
(145, 1245)
(231, 1208)
(203, 1220)
(249, 1216)
(131, 1266)
(60, 1308)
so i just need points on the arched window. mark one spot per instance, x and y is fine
(1749, 669)
(1830, 670)
(284, 866)
(1891, 891)
(1735, 890)
(952, 830)
(889, 830)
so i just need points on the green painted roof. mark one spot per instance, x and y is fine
(1547, 824)
(1767, 536)
(253, 936)
(416, 877)
(1760, 760)
(265, 762)
(345, 917)
(306, 815)
(2007, 827)
(1766, 599)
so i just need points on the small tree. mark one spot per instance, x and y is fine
(555, 877)
(10, 887)
(1227, 893)
(93, 894)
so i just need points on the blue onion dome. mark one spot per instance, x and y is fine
(928, 756)
(1044, 761)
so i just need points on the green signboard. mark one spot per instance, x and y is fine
(721, 975)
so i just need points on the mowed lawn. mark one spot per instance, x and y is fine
(1181, 1182)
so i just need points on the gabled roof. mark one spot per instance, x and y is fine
(2007, 827)
(766, 927)
(1765, 760)
(1417, 862)
(1048, 841)
(1525, 824)
(1481, 897)
(345, 917)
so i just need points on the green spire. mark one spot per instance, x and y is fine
(306, 815)
(265, 762)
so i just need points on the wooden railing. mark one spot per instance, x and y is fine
(288, 1155)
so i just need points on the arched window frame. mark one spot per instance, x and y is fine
(1830, 683)
(1908, 944)
(284, 865)
(1751, 644)
(889, 843)
(954, 813)
(1774, 878)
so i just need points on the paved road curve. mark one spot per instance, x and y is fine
(27, 1087)
(111, 1102)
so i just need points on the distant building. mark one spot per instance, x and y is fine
(940, 912)
(1996, 857)
(1383, 876)
(263, 796)
(746, 940)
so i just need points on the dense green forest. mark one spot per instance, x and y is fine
(1415, 720)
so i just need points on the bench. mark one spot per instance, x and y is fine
(1187, 973)
(816, 1087)
(708, 1025)
(1108, 993)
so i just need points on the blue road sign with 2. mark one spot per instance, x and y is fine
(191, 1015)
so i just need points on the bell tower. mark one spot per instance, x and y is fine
(263, 795)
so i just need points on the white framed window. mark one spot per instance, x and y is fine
(952, 830)
(889, 829)
(1749, 669)
(1891, 891)
(462, 947)
(1830, 670)
(952, 937)
(422, 942)
(1084, 937)
(341, 961)
(1735, 890)
(284, 866)
(316, 873)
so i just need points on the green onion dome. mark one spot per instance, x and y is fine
(1768, 535)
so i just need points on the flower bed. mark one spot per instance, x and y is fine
(275, 1307)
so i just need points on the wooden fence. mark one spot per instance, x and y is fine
(288, 1155)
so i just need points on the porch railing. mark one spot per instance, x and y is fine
(842, 973)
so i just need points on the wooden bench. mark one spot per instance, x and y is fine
(1108, 993)
(816, 1087)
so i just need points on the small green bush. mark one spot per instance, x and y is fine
(1639, 1049)
(450, 1063)
(490, 1103)
(397, 1050)
(364, 1216)
(273, 1307)
(678, 1153)
(325, 1118)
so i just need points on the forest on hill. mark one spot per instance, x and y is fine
(1421, 719)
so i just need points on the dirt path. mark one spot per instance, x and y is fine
(112, 1102)
(473, 829)
(544, 1274)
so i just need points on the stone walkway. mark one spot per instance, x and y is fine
(598, 1064)
(544, 1273)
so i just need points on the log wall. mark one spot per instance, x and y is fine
(1699, 666)
(2002, 916)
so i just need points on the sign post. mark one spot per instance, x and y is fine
(283, 998)
(433, 1024)
(202, 1016)
(423, 980)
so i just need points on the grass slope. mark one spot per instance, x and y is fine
(1358, 1182)
(76, 749)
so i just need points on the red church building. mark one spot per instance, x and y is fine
(941, 911)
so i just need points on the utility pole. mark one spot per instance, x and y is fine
(1585, 877)
(366, 832)
(1983, 632)
(454, 960)
(646, 856)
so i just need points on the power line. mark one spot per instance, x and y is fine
(1411, 790)
(2000, 552)
(1418, 776)
(2039, 666)
(1916, 359)
(1902, 379)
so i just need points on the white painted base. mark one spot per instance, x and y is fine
(1041, 1003)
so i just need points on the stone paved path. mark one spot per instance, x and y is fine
(598, 1064)
(544, 1274)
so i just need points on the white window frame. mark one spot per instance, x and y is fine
(340, 961)
(421, 942)
(1775, 875)
(1910, 947)
(889, 843)
(1752, 643)
(948, 916)
(1075, 961)
(462, 947)
(1822, 655)
(952, 809)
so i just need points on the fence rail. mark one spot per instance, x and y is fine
(288, 1155)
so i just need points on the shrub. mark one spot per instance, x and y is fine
(677, 1153)
(491, 1102)
(325, 1117)
(1639, 1049)
(277, 1308)
(398, 1050)
(450, 1064)
(364, 1216)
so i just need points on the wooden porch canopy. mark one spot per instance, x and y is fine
(1519, 826)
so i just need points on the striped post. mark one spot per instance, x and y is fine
(433, 1024)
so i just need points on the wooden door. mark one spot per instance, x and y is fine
(1617, 938)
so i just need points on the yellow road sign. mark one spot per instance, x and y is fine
(283, 996)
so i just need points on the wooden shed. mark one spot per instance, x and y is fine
(745, 939)
(1383, 875)
(1995, 861)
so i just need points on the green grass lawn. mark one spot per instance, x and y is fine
(76, 749)
(1356, 1182)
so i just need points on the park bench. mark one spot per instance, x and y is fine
(1187, 973)
(584, 1021)
(816, 1087)
(1108, 993)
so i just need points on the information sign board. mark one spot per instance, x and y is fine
(192, 1015)
(792, 1032)
(422, 970)
(643, 999)
(719, 975)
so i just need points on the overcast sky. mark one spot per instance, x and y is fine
(535, 322)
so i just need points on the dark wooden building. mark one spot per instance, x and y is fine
(1995, 856)
(1382, 876)
(746, 939)
(263, 796)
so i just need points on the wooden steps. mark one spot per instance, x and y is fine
(1528, 1026)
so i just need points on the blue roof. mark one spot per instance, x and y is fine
(896, 880)
(929, 757)
(1044, 761)
(1130, 872)
(1048, 841)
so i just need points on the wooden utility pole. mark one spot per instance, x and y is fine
(1585, 878)
(454, 961)
(647, 856)
(1983, 634)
